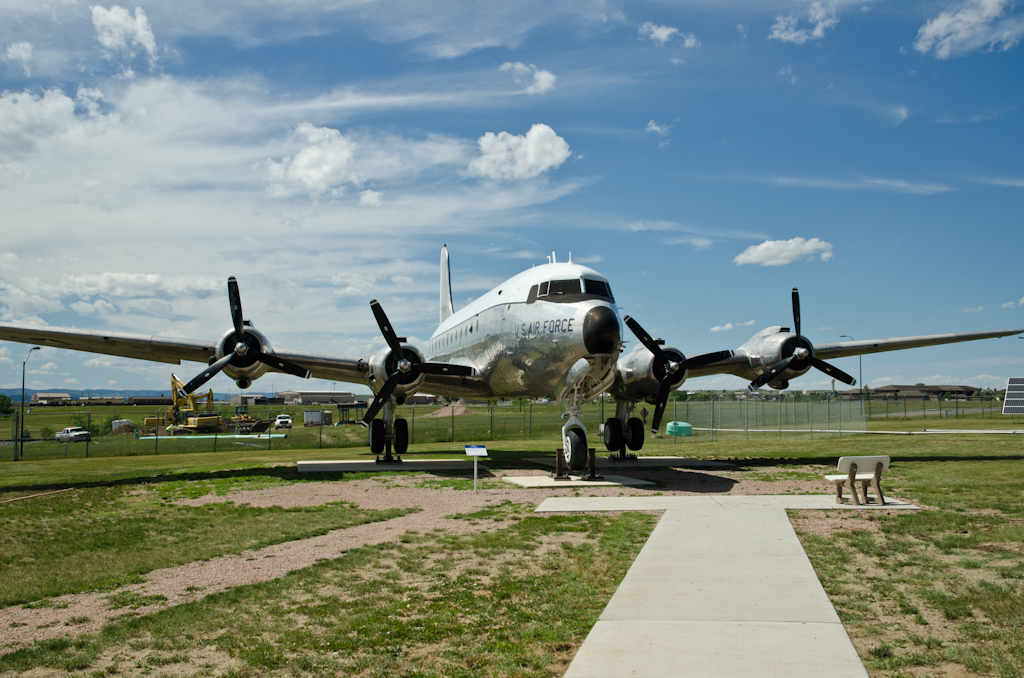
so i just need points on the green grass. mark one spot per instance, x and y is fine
(102, 537)
(516, 601)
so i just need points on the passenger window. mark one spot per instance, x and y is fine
(532, 297)
(560, 287)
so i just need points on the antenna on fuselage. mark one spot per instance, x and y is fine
(553, 260)
(570, 256)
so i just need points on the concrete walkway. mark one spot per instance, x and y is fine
(722, 588)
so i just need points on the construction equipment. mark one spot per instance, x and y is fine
(244, 424)
(185, 413)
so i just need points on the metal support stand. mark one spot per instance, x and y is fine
(593, 475)
(560, 473)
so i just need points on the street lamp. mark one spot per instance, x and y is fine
(21, 425)
(860, 374)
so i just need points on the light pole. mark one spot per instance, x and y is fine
(860, 374)
(21, 424)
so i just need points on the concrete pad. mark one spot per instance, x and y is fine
(548, 482)
(664, 503)
(752, 567)
(603, 462)
(787, 600)
(358, 465)
(666, 649)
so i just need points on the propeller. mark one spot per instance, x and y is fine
(245, 346)
(801, 356)
(671, 367)
(407, 366)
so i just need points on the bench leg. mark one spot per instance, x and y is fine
(878, 491)
(839, 493)
(854, 499)
(864, 490)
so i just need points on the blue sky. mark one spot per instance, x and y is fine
(706, 157)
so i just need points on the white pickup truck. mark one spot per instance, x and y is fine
(74, 434)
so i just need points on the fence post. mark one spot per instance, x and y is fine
(531, 419)
(675, 408)
(88, 427)
(270, 429)
(412, 433)
(452, 405)
(810, 417)
(14, 434)
(156, 431)
(490, 407)
(840, 416)
(780, 416)
(321, 428)
(922, 407)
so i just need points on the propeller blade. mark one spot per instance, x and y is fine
(281, 364)
(660, 403)
(382, 397)
(236, 308)
(645, 338)
(706, 359)
(774, 371)
(208, 373)
(796, 311)
(444, 368)
(386, 329)
(833, 371)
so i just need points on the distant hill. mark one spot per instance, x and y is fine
(15, 393)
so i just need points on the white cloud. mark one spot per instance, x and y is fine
(690, 41)
(70, 381)
(742, 30)
(1012, 183)
(1021, 302)
(895, 185)
(1009, 304)
(656, 33)
(787, 73)
(117, 31)
(976, 309)
(730, 326)
(662, 131)
(969, 26)
(370, 198)
(783, 252)
(8, 259)
(20, 52)
(822, 16)
(509, 156)
(540, 81)
(321, 166)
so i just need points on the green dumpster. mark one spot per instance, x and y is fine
(678, 428)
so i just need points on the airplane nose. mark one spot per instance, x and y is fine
(601, 330)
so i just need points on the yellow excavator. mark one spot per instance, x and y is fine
(185, 410)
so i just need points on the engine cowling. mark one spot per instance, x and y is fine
(640, 373)
(244, 369)
(767, 349)
(385, 363)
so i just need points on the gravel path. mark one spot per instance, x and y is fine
(193, 581)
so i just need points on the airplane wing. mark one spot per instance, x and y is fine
(173, 350)
(841, 349)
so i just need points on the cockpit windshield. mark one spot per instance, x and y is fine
(569, 291)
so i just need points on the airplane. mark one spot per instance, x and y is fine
(552, 331)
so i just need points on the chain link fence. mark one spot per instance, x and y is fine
(712, 416)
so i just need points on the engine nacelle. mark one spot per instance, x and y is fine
(640, 373)
(244, 369)
(771, 345)
(384, 364)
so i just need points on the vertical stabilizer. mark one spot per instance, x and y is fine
(447, 308)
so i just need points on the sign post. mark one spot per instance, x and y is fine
(475, 451)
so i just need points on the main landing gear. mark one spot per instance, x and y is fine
(389, 433)
(622, 431)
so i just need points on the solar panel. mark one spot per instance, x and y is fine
(1013, 403)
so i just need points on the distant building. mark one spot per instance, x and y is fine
(253, 399)
(50, 398)
(316, 397)
(149, 400)
(915, 392)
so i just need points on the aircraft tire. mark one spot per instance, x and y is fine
(401, 436)
(377, 436)
(576, 452)
(613, 438)
(635, 440)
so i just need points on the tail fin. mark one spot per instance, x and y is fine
(447, 308)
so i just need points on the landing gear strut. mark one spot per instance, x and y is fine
(387, 432)
(623, 431)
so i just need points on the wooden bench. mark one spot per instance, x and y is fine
(848, 468)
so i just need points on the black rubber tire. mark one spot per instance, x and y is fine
(377, 436)
(635, 439)
(401, 436)
(613, 437)
(576, 452)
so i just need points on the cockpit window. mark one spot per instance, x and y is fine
(597, 287)
(561, 287)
